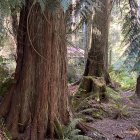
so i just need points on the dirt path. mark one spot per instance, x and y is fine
(123, 128)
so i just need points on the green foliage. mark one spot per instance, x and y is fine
(84, 7)
(5, 132)
(5, 78)
(4, 86)
(3, 71)
(70, 132)
(131, 32)
(72, 74)
(120, 110)
(80, 103)
(75, 70)
(2, 30)
(90, 114)
(112, 94)
(59, 129)
(5, 5)
(86, 106)
(126, 79)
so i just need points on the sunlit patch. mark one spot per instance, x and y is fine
(134, 131)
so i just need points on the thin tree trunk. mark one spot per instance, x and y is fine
(39, 95)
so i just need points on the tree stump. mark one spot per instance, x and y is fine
(93, 85)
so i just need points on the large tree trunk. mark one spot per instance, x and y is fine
(138, 86)
(97, 62)
(38, 96)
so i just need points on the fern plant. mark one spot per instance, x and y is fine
(120, 110)
(70, 132)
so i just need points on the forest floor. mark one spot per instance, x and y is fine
(124, 121)
(126, 128)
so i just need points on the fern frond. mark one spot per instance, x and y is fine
(72, 126)
(73, 133)
(81, 137)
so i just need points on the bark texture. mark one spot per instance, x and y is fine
(138, 87)
(97, 62)
(38, 95)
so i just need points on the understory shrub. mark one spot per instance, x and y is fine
(126, 79)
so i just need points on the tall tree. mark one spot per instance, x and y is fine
(38, 96)
(96, 75)
(97, 62)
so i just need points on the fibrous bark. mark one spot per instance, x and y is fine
(97, 62)
(38, 95)
(138, 86)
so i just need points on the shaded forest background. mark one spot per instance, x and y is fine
(61, 60)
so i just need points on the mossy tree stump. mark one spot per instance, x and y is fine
(93, 85)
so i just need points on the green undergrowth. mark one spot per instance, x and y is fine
(116, 105)
(5, 77)
(90, 114)
(4, 86)
(124, 80)
(89, 107)
(81, 101)
(112, 94)
(70, 132)
(4, 132)
(119, 109)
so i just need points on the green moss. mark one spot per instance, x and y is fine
(112, 94)
(91, 88)
(120, 110)
(98, 114)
